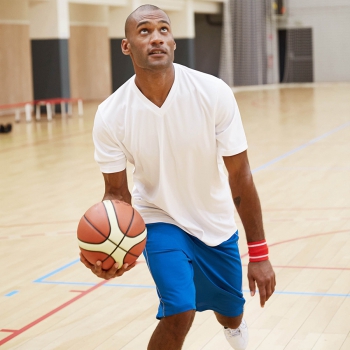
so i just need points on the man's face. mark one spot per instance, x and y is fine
(149, 41)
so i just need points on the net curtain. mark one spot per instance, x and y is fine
(244, 55)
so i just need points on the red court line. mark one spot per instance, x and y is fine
(40, 223)
(33, 235)
(302, 209)
(39, 142)
(264, 210)
(17, 332)
(300, 238)
(309, 267)
(315, 267)
(48, 234)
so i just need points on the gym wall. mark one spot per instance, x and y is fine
(63, 48)
(15, 52)
(89, 52)
(49, 34)
(71, 48)
(329, 22)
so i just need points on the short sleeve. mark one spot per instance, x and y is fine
(108, 153)
(230, 135)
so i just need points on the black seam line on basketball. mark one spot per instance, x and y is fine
(106, 238)
(128, 251)
(110, 226)
(97, 251)
(116, 216)
(127, 230)
(94, 228)
(132, 219)
(140, 232)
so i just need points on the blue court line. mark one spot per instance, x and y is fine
(262, 167)
(43, 280)
(299, 148)
(314, 168)
(40, 279)
(313, 294)
(94, 284)
(12, 293)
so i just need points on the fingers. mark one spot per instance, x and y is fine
(114, 271)
(266, 289)
(252, 286)
(97, 269)
(131, 266)
(262, 293)
(262, 275)
(273, 284)
(105, 274)
(265, 293)
(85, 262)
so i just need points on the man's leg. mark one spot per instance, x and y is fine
(169, 258)
(219, 287)
(229, 322)
(171, 331)
(235, 329)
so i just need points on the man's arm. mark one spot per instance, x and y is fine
(246, 200)
(116, 187)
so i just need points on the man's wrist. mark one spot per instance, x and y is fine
(258, 251)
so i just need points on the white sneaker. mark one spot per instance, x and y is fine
(238, 338)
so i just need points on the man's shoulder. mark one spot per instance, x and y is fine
(206, 86)
(197, 75)
(117, 99)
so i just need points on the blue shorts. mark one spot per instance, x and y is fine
(189, 275)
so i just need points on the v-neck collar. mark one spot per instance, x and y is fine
(159, 110)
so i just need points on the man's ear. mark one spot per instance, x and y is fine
(174, 45)
(125, 47)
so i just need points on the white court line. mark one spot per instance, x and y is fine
(299, 148)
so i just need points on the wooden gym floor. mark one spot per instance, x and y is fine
(299, 148)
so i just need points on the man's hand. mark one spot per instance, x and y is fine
(106, 274)
(262, 275)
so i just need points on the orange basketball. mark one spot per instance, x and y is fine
(111, 231)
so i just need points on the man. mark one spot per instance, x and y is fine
(179, 127)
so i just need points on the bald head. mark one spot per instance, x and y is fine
(133, 17)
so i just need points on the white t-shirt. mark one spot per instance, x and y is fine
(176, 151)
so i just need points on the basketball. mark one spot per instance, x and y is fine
(111, 231)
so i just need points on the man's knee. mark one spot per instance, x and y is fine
(179, 323)
(229, 322)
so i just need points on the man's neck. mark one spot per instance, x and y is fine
(155, 85)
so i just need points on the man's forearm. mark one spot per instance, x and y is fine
(116, 187)
(246, 200)
(124, 196)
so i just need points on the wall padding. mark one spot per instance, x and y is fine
(90, 65)
(15, 64)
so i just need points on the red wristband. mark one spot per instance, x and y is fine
(258, 251)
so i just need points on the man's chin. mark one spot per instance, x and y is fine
(159, 64)
(154, 64)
